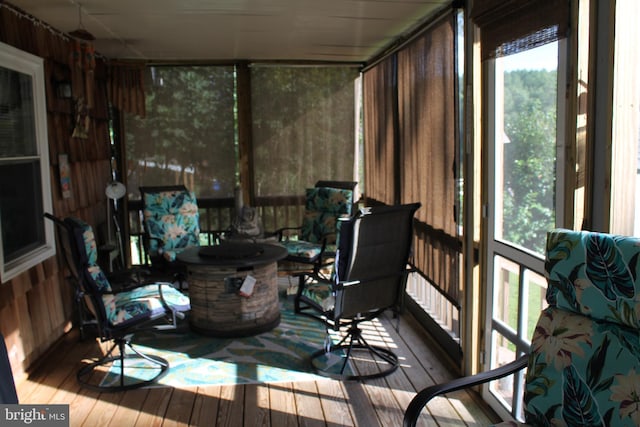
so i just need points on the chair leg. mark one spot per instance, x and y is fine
(85, 319)
(95, 376)
(296, 302)
(326, 361)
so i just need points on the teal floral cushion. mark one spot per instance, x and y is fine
(172, 222)
(319, 294)
(129, 306)
(584, 365)
(594, 274)
(90, 246)
(323, 207)
(142, 302)
(302, 249)
(582, 372)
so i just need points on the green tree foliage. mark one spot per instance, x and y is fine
(303, 126)
(188, 134)
(530, 155)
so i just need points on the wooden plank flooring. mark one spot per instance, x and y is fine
(379, 402)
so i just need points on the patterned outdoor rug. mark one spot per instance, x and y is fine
(279, 355)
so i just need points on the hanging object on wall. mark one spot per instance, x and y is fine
(65, 175)
(81, 33)
(81, 128)
(82, 62)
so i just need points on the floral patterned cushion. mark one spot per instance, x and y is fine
(129, 306)
(301, 249)
(584, 365)
(86, 234)
(594, 274)
(171, 217)
(144, 302)
(323, 207)
(319, 294)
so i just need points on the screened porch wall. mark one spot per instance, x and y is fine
(294, 125)
(412, 154)
(262, 132)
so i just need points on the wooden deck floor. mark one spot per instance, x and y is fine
(379, 402)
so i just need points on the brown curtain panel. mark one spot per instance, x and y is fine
(511, 26)
(380, 113)
(126, 87)
(427, 118)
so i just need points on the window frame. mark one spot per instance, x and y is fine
(526, 264)
(33, 66)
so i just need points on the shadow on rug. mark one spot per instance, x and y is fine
(280, 355)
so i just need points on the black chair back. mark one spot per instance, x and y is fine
(372, 258)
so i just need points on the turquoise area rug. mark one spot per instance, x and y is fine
(280, 355)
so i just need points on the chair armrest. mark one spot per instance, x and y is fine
(424, 396)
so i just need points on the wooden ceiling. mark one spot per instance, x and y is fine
(211, 30)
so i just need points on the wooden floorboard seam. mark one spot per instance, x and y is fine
(324, 402)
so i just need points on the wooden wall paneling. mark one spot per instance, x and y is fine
(55, 308)
(10, 329)
(59, 49)
(95, 140)
(91, 175)
(54, 143)
(21, 284)
(25, 330)
(6, 296)
(65, 130)
(55, 146)
(49, 88)
(54, 172)
(27, 39)
(36, 306)
(36, 274)
(80, 179)
(74, 148)
(9, 28)
(67, 298)
(105, 176)
(40, 326)
(105, 143)
(51, 267)
(86, 146)
(40, 37)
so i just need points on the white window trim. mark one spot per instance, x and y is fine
(26, 63)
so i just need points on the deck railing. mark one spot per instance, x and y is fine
(216, 215)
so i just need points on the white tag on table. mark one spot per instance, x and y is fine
(247, 286)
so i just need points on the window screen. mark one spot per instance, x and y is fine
(303, 127)
(189, 133)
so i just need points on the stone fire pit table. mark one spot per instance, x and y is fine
(216, 275)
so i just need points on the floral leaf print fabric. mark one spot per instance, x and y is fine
(585, 350)
(172, 222)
